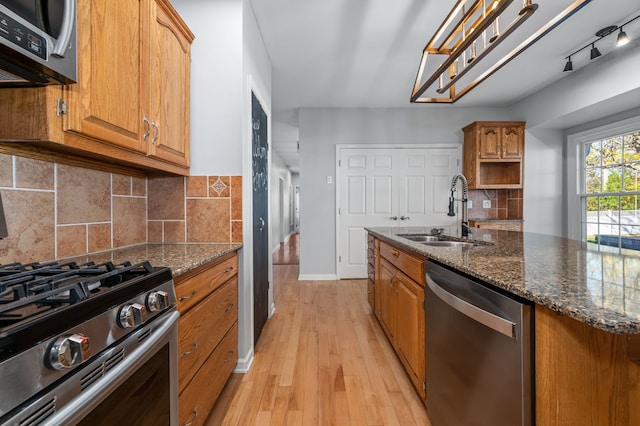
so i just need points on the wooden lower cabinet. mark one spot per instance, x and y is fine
(207, 335)
(400, 296)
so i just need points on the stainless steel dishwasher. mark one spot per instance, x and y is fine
(478, 353)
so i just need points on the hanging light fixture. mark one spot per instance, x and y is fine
(594, 51)
(468, 34)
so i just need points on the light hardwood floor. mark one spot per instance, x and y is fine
(322, 359)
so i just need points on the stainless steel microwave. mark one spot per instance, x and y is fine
(37, 42)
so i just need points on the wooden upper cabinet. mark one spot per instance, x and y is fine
(130, 105)
(169, 94)
(489, 142)
(108, 102)
(494, 154)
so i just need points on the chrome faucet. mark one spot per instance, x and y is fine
(465, 212)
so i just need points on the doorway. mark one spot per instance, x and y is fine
(386, 186)
(260, 198)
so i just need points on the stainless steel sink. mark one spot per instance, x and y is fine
(421, 238)
(448, 243)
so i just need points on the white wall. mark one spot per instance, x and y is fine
(216, 85)
(322, 128)
(600, 93)
(277, 172)
(228, 60)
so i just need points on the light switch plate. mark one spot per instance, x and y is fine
(486, 204)
(329, 180)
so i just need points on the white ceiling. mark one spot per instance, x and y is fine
(365, 53)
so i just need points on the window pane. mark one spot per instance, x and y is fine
(592, 154)
(593, 181)
(612, 151)
(609, 207)
(632, 146)
(631, 175)
(630, 237)
(629, 207)
(608, 235)
(612, 179)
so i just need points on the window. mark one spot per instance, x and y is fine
(609, 199)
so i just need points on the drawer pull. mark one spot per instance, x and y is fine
(229, 307)
(229, 356)
(226, 271)
(395, 253)
(193, 418)
(193, 293)
(195, 346)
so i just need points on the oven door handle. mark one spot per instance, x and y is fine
(90, 398)
(488, 319)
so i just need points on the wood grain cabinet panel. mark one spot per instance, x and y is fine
(194, 286)
(399, 301)
(199, 397)
(203, 327)
(207, 335)
(130, 106)
(494, 154)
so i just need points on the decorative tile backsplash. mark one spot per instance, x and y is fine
(55, 210)
(505, 203)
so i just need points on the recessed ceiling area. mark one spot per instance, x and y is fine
(365, 53)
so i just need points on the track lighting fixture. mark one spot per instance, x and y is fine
(622, 38)
(569, 65)
(595, 53)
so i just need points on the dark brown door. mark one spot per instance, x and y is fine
(260, 219)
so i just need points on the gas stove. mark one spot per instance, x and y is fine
(58, 319)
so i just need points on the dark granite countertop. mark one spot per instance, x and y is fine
(180, 257)
(595, 286)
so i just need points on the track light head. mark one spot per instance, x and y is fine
(569, 65)
(622, 38)
(594, 51)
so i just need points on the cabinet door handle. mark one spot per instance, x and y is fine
(193, 418)
(155, 126)
(394, 218)
(147, 131)
(193, 293)
(195, 346)
(229, 356)
(229, 307)
(404, 218)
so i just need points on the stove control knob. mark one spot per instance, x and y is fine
(157, 301)
(68, 351)
(132, 315)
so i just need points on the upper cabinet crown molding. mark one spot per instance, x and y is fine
(131, 103)
(494, 154)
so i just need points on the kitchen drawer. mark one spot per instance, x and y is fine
(412, 266)
(202, 328)
(198, 398)
(193, 287)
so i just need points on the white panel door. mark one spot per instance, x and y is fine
(389, 187)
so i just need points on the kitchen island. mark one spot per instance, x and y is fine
(586, 316)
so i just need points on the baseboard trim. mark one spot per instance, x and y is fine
(244, 364)
(317, 277)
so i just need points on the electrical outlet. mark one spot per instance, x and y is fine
(486, 204)
(470, 204)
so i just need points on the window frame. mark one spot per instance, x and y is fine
(575, 168)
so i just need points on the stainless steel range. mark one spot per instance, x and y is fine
(87, 344)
